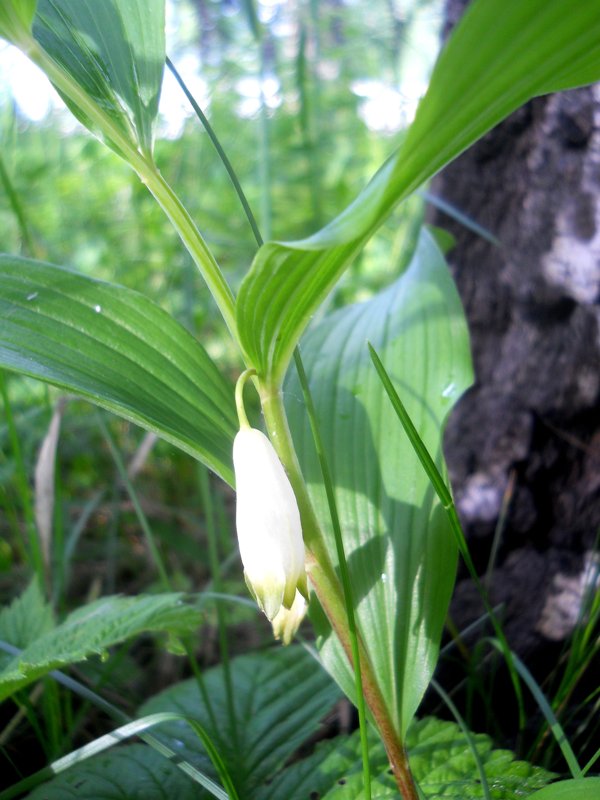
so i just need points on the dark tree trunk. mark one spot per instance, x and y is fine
(527, 436)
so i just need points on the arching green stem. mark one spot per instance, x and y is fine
(239, 397)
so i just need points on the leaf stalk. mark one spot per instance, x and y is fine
(148, 173)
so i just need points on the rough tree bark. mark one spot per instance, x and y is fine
(528, 433)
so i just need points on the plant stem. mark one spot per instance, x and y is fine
(148, 173)
(239, 397)
(353, 631)
(193, 241)
(329, 590)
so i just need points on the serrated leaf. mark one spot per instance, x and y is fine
(92, 629)
(331, 763)
(502, 53)
(443, 764)
(115, 50)
(576, 789)
(440, 758)
(280, 696)
(26, 619)
(400, 550)
(119, 350)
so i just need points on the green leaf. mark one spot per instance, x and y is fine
(280, 697)
(115, 51)
(116, 348)
(586, 789)
(25, 620)
(440, 759)
(135, 772)
(16, 17)
(400, 550)
(327, 767)
(92, 629)
(501, 54)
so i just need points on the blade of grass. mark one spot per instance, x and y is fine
(72, 540)
(115, 713)
(547, 711)
(343, 566)
(219, 148)
(458, 636)
(18, 717)
(306, 77)
(468, 736)
(499, 529)
(157, 558)
(127, 731)
(18, 210)
(456, 214)
(143, 522)
(12, 522)
(35, 549)
(447, 502)
(215, 570)
(264, 149)
(591, 762)
(581, 648)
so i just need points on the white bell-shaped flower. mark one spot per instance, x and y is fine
(287, 621)
(268, 524)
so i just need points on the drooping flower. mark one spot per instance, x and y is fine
(268, 524)
(287, 621)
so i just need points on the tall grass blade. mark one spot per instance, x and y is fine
(591, 762)
(215, 570)
(468, 737)
(35, 553)
(343, 566)
(445, 497)
(17, 209)
(220, 150)
(139, 512)
(136, 728)
(546, 709)
(464, 219)
(115, 713)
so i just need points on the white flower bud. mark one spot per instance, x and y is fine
(286, 622)
(268, 524)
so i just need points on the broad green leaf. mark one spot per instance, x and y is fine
(16, 17)
(586, 789)
(134, 772)
(142, 727)
(440, 759)
(92, 629)
(502, 53)
(26, 619)
(115, 50)
(116, 348)
(400, 550)
(280, 697)
(330, 765)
